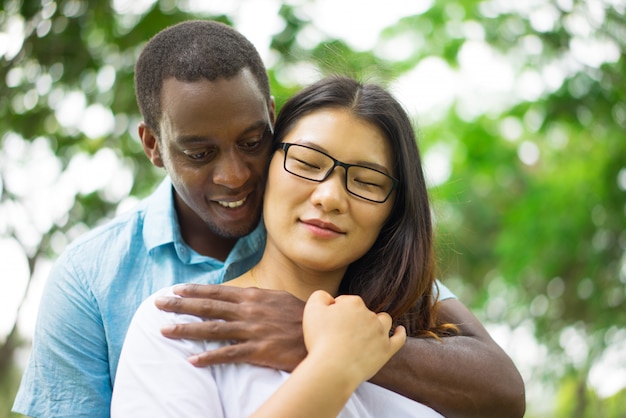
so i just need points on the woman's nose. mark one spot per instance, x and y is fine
(331, 194)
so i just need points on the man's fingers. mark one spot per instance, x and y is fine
(206, 330)
(265, 324)
(236, 353)
(224, 292)
(209, 291)
(203, 308)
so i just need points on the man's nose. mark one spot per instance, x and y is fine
(231, 171)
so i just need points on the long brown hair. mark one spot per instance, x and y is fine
(397, 274)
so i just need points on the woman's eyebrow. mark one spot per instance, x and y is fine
(364, 163)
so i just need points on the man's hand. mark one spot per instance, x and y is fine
(265, 326)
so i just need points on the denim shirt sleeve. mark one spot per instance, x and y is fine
(68, 373)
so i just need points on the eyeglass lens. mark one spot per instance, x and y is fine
(315, 165)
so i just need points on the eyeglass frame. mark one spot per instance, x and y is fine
(336, 163)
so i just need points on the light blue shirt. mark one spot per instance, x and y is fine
(92, 293)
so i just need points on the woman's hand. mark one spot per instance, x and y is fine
(344, 332)
(347, 344)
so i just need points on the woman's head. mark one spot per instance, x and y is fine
(330, 190)
(396, 273)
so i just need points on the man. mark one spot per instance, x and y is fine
(204, 95)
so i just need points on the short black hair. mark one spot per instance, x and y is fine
(191, 51)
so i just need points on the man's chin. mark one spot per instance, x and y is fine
(233, 231)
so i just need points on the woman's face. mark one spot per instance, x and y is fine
(320, 225)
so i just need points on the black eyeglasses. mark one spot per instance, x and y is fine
(311, 164)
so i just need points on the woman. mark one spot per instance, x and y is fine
(347, 213)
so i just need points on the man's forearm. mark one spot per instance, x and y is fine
(461, 376)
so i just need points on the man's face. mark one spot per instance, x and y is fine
(215, 141)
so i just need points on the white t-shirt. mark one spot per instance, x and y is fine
(154, 379)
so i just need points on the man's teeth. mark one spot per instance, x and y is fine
(232, 204)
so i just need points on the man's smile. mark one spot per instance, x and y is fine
(232, 205)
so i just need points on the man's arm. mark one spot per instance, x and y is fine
(68, 369)
(462, 376)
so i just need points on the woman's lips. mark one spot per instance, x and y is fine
(322, 227)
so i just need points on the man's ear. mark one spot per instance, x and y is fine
(150, 144)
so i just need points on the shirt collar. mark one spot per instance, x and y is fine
(161, 227)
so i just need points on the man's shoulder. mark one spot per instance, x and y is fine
(127, 228)
(120, 228)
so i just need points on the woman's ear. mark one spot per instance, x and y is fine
(150, 144)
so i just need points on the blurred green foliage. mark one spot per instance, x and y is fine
(531, 219)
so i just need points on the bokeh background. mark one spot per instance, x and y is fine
(520, 108)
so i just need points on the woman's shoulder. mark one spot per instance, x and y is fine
(149, 312)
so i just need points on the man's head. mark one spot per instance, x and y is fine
(208, 116)
(193, 51)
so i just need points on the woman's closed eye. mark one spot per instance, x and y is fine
(306, 165)
(366, 183)
(366, 179)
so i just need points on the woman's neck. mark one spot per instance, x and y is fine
(278, 273)
(297, 281)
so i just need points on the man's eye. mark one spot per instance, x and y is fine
(257, 141)
(251, 144)
(198, 155)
